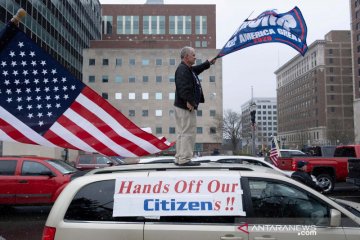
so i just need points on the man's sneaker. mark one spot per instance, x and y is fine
(189, 163)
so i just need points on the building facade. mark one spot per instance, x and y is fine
(134, 64)
(315, 94)
(63, 29)
(265, 123)
(355, 40)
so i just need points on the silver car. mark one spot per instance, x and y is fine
(207, 202)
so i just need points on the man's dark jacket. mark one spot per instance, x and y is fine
(185, 84)
(306, 179)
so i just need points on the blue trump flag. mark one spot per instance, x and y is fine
(289, 28)
(42, 103)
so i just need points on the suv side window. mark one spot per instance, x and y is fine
(95, 202)
(102, 160)
(7, 167)
(85, 159)
(284, 204)
(30, 168)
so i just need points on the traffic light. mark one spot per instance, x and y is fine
(252, 117)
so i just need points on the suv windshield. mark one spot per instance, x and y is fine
(62, 166)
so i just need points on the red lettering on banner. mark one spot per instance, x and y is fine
(125, 186)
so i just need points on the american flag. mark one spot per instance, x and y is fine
(42, 103)
(274, 152)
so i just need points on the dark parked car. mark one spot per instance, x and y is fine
(33, 180)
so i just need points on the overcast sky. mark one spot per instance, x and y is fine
(255, 66)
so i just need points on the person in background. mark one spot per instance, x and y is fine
(188, 96)
(301, 175)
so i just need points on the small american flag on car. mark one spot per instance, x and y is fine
(274, 152)
(42, 103)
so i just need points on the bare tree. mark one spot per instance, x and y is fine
(230, 125)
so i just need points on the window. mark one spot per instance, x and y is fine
(171, 96)
(118, 62)
(105, 95)
(145, 79)
(172, 61)
(105, 79)
(204, 44)
(145, 113)
(131, 113)
(158, 79)
(153, 24)
(158, 96)
(198, 61)
(212, 79)
(30, 168)
(131, 79)
(199, 113)
(91, 61)
(7, 167)
(179, 24)
(107, 24)
(145, 62)
(171, 113)
(127, 25)
(286, 205)
(171, 130)
(158, 130)
(212, 113)
(145, 96)
(105, 62)
(212, 130)
(200, 24)
(199, 130)
(158, 62)
(131, 96)
(132, 61)
(118, 96)
(158, 113)
(171, 79)
(197, 44)
(101, 196)
(212, 96)
(118, 79)
(91, 79)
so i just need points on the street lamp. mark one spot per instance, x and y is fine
(283, 139)
(252, 118)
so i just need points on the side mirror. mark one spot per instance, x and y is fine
(110, 163)
(335, 218)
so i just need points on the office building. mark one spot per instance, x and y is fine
(134, 64)
(265, 122)
(355, 40)
(315, 94)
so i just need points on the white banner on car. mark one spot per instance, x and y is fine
(182, 195)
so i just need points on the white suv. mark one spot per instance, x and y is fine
(207, 202)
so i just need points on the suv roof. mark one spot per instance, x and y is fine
(170, 166)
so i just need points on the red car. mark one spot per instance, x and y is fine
(32, 180)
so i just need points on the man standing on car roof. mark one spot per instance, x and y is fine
(188, 96)
(301, 175)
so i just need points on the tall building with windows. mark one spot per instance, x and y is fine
(265, 122)
(355, 40)
(134, 64)
(315, 94)
(63, 29)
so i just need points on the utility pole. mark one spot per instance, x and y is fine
(252, 108)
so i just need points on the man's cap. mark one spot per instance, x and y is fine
(300, 164)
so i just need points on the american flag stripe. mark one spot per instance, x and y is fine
(93, 135)
(139, 137)
(108, 131)
(85, 135)
(56, 139)
(13, 133)
(22, 129)
(64, 133)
